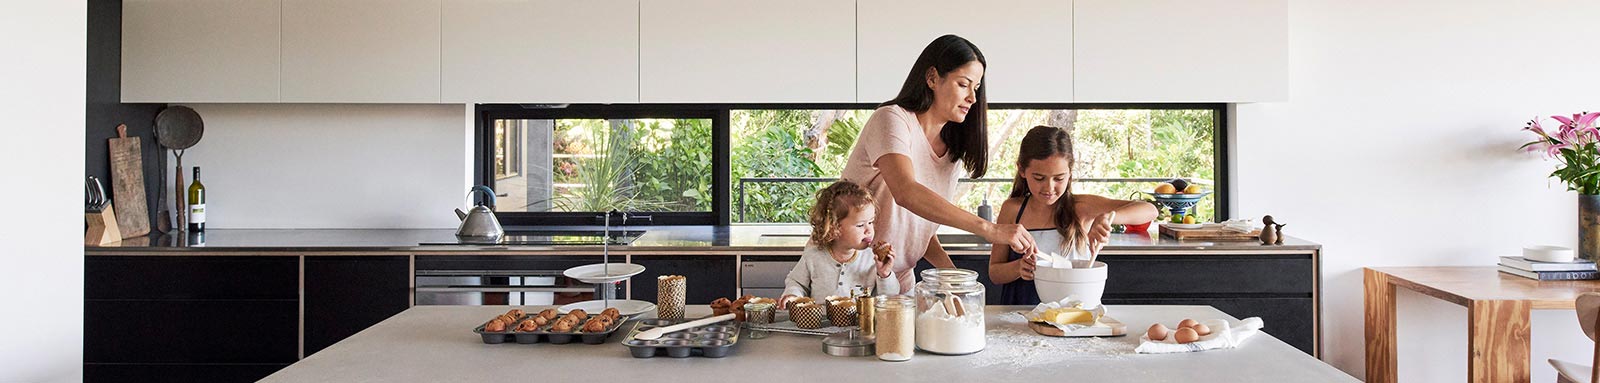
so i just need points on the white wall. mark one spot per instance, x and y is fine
(41, 334)
(332, 166)
(1397, 147)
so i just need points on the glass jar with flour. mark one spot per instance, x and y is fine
(950, 312)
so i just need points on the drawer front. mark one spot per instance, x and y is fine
(1210, 274)
(708, 277)
(1292, 320)
(131, 331)
(764, 274)
(210, 373)
(345, 295)
(155, 277)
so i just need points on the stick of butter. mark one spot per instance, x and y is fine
(1068, 315)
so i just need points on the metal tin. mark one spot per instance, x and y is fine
(849, 343)
(545, 335)
(864, 313)
(711, 341)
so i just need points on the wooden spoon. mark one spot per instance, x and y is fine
(656, 333)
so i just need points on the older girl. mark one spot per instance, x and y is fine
(1071, 225)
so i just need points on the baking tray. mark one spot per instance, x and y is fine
(710, 341)
(545, 335)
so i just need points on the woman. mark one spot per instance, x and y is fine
(914, 147)
(1073, 226)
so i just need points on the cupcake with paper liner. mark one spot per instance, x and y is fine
(808, 315)
(842, 311)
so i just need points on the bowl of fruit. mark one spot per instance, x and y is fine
(1178, 196)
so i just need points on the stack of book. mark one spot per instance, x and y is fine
(1549, 271)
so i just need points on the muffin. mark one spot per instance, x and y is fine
(808, 315)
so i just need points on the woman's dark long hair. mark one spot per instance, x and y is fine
(967, 140)
(1044, 142)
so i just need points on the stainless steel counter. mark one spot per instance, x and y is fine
(708, 240)
(436, 344)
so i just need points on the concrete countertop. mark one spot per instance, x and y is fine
(436, 344)
(737, 239)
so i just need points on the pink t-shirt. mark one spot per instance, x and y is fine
(895, 130)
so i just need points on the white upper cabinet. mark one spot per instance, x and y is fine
(1181, 50)
(754, 51)
(200, 50)
(361, 51)
(541, 51)
(1028, 44)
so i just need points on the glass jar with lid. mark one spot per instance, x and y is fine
(894, 327)
(950, 312)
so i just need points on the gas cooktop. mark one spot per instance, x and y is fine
(555, 237)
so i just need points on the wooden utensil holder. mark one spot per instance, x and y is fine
(103, 229)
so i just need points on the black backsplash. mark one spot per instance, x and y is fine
(104, 109)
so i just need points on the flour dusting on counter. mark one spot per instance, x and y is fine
(1012, 344)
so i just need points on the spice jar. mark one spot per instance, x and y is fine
(950, 312)
(894, 325)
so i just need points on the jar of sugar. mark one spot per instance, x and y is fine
(950, 312)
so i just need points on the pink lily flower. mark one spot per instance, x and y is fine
(1533, 126)
(1554, 151)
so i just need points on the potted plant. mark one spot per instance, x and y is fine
(1573, 145)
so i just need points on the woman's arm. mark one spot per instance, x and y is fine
(1002, 269)
(898, 172)
(936, 255)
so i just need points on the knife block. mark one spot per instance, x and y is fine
(103, 229)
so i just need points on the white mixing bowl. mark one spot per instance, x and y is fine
(1086, 285)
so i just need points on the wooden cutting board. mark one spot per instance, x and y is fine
(127, 184)
(1209, 233)
(1104, 327)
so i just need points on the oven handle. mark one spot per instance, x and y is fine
(502, 289)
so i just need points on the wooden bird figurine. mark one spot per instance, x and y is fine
(1269, 232)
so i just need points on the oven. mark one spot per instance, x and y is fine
(504, 280)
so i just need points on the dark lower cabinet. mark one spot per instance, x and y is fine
(709, 277)
(980, 264)
(345, 295)
(201, 318)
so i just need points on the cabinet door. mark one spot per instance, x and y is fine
(693, 51)
(361, 51)
(200, 50)
(708, 277)
(345, 295)
(978, 263)
(1180, 50)
(1029, 42)
(541, 51)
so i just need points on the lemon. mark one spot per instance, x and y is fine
(1188, 219)
(1192, 189)
(1166, 189)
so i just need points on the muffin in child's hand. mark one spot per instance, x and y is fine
(882, 252)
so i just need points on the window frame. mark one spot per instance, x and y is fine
(721, 213)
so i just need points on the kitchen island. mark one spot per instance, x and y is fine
(436, 344)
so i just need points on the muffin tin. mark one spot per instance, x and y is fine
(711, 341)
(545, 335)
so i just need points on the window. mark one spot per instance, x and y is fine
(566, 166)
(782, 156)
(721, 164)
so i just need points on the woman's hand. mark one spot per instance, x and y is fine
(1012, 235)
(1025, 267)
(1100, 232)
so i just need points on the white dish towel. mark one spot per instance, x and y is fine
(1223, 335)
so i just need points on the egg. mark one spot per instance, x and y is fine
(1202, 329)
(1185, 335)
(1157, 332)
(1187, 323)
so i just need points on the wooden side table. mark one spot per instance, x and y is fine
(1498, 307)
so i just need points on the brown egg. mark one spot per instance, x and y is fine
(1187, 323)
(1202, 329)
(1157, 332)
(1185, 335)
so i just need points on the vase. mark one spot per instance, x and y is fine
(1589, 227)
